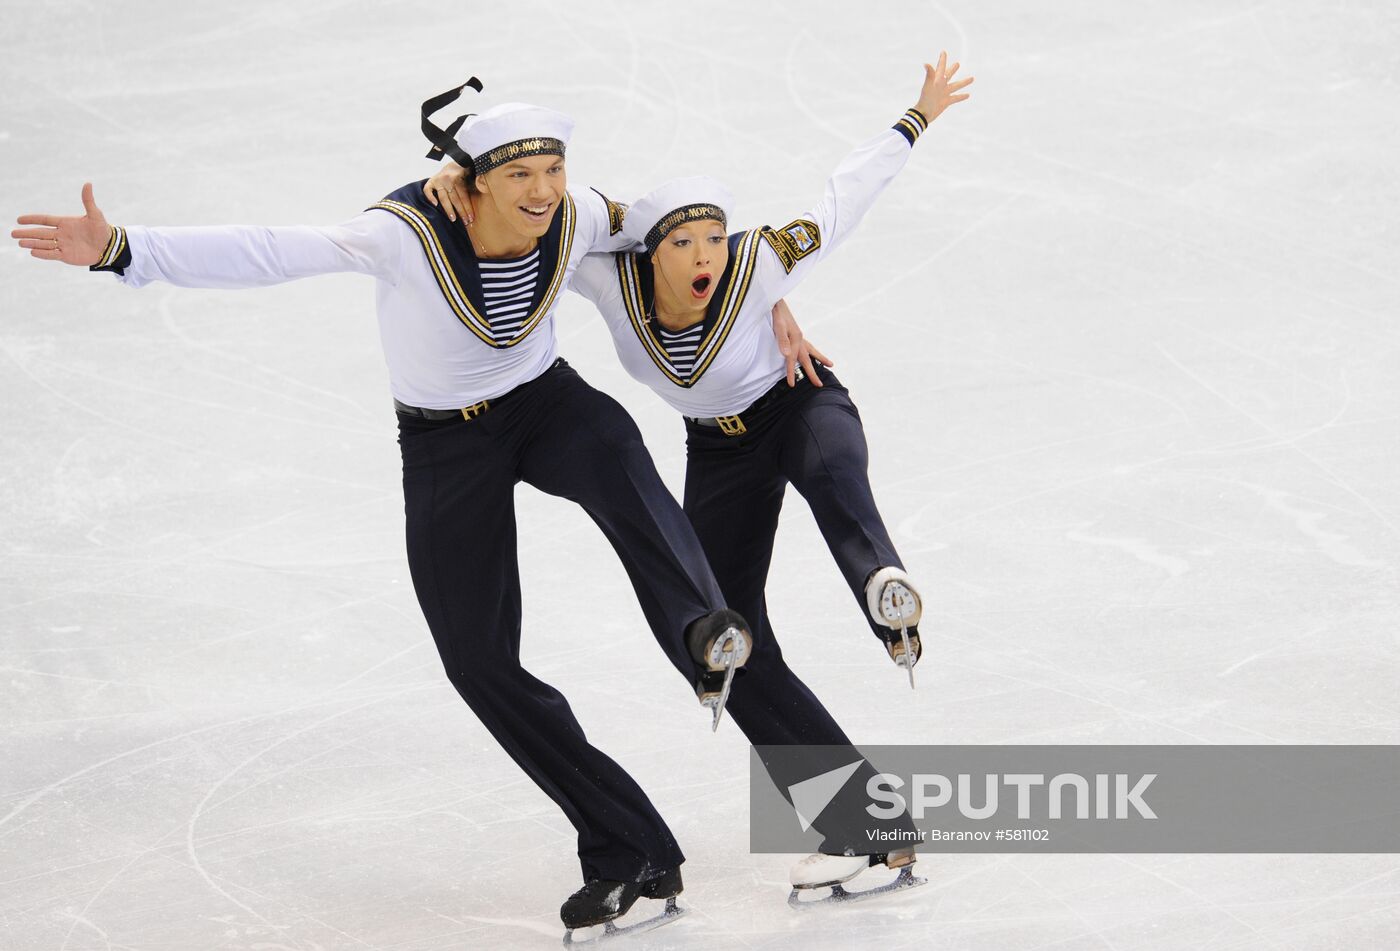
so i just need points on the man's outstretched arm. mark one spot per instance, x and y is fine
(231, 256)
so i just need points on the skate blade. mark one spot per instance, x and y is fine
(908, 656)
(716, 703)
(840, 896)
(901, 607)
(670, 913)
(902, 652)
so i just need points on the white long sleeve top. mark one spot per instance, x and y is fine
(737, 360)
(438, 347)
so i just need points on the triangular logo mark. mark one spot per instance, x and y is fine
(811, 796)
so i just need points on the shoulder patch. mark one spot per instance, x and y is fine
(793, 241)
(616, 212)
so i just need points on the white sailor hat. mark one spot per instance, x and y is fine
(662, 210)
(510, 131)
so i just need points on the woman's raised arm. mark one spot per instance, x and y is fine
(855, 185)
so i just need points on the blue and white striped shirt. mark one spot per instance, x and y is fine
(508, 287)
(681, 346)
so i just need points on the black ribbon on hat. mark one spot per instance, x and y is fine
(444, 140)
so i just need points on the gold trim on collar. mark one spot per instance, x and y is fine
(451, 288)
(709, 346)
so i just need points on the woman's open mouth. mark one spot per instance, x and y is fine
(700, 286)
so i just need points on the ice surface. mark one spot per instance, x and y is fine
(1123, 335)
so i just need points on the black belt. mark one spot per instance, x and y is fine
(734, 425)
(468, 412)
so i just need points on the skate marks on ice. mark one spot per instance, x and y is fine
(524, 924)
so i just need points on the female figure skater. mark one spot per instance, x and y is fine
(689, 317)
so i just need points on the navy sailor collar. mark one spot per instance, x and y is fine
(634, 272)
(456, 267)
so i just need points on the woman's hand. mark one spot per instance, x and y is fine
(72, 240)
(448, 191)
(938, 92)
(794, 347)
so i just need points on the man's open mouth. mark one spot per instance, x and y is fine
(537, 212)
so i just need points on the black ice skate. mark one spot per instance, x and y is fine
(601, 901)
(833, 871)
(895, 604)
(720, 643)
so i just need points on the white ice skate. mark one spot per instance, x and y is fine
(894, 603)
(833, 871)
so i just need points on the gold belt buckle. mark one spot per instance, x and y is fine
(731, 425)
(476, 409)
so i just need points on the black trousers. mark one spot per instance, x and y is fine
(565, 438)
(811, 437)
